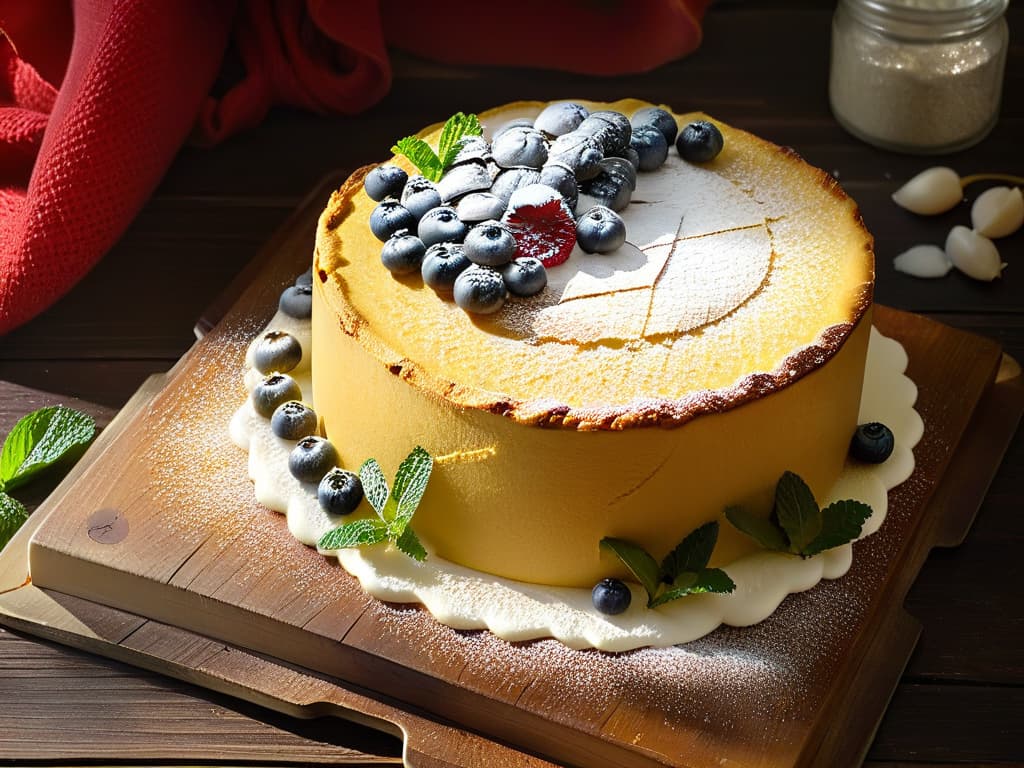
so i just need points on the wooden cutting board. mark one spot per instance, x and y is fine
(155, 553)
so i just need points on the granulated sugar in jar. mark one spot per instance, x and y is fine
(922, 76)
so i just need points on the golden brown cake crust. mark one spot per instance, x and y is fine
(665, 413)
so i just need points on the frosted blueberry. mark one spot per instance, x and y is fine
(650, 146)
(600, 230)
(490, 243)
(402, 253)
(580, 152)
(276, 351)
(297, 301)
(420, 195)
(390, 216)
(463, 179)
(273, 390)
(560, 118)
(340, 491)
(525, 276)
(520, 147)
(441, 225)
(384, 181)
(658, 118)
(443, 263)
(293, 420)
(561, 179)
(480, 206)
(312, 458)
(508, 181)
(480, 290)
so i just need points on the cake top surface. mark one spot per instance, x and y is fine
(738, 276)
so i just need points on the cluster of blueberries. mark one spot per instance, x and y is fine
(278, 397)
(464, 232)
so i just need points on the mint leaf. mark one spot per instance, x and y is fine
(640, 564)
(354, 534)
(760, 529)
(692, 553)
(456, 127)
(421, 155)
(394, 508)
(410, 483)
(797, 511)
(41, 439)
(375, 485)
(707, 580)
(409, 543)
(841, 521)
(12, 517)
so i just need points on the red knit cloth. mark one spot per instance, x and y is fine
(97, 96)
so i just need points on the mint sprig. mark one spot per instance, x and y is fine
(433, 164)
(395, 507)
(39, 440)
(683, 572)
(797, 524)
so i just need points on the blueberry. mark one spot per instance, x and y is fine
(516, 122)
(389, 217)
(490, 243)
(520, 147)
(384, 181)
(620, 168)
(611, 597)
(463, 179)
(292, 420)
(312, 458)
(443, 263)
(632, 156)
(402, 253)
(340, 491)
(561, 179)
(525, 276)
(276, 351)
(472, 149)
(872, 443)
(297, 301)
(600, 230)
(607, 189)
(306, 278)
(560, 118)
(699, 142)
(480, 290)
(580, 152)
(611, 129)
(441, 225)
(481, 206)
(273, 390)
(508, 181)
(420, 195)
(660, 119)
(651, 147)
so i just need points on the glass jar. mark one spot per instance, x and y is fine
(921, 76)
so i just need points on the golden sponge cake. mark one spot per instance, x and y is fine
(639, 395)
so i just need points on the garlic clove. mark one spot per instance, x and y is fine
(973, 254)
(923, 261)
(998, 212)
(935, 190)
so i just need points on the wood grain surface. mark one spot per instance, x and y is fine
(762, 67)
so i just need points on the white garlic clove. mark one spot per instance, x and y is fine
(936, 190)
(973, 254)
(923, 261)
(998, 212)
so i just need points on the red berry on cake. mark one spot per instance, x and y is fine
(542, 224)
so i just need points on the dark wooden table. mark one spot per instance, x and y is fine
(763, 67)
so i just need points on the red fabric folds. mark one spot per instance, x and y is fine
(97, 96)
